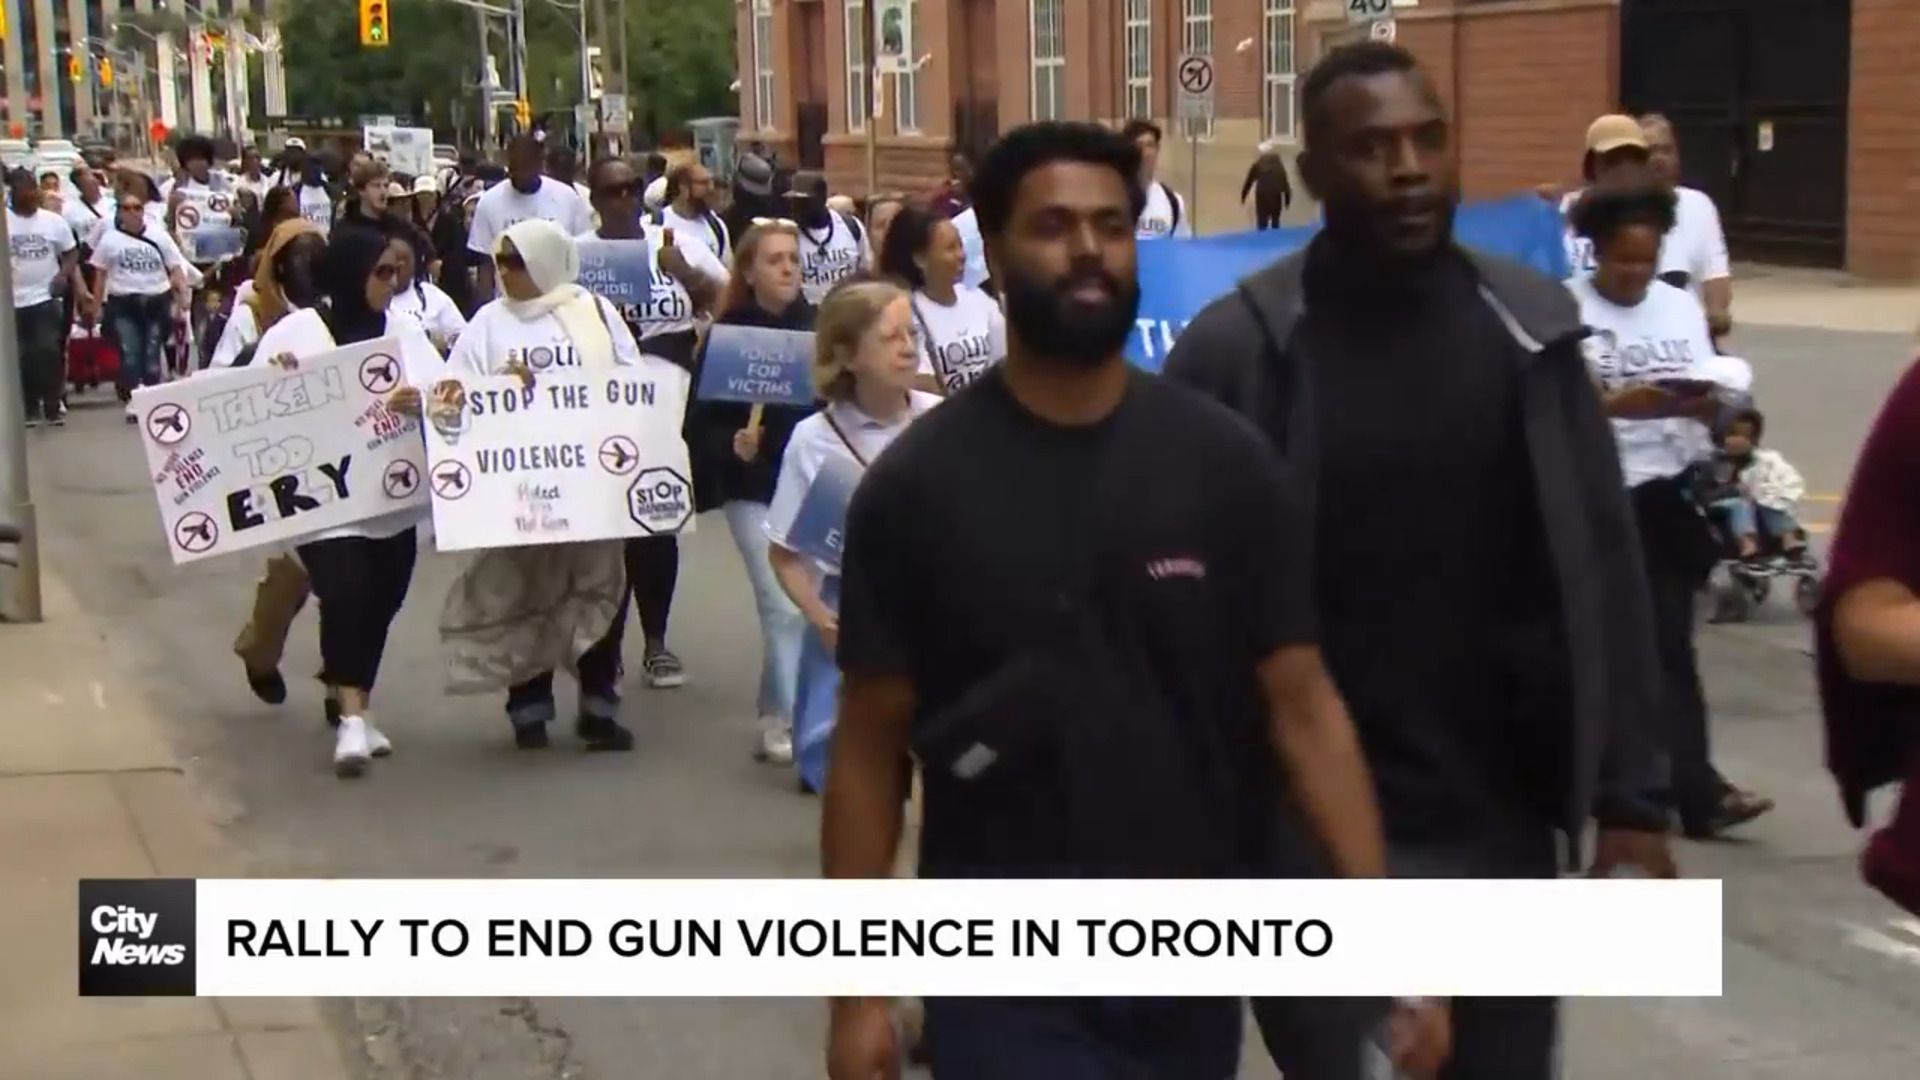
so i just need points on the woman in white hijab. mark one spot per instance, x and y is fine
(517, 614)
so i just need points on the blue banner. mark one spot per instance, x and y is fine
(1178, 277)
(819, 526)
(757, 366)
(817, 699)
(619, 270)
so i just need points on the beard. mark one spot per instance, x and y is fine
(1054, 324)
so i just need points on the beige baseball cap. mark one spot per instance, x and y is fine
(1613, 132)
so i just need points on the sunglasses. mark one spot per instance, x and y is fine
(625, 190)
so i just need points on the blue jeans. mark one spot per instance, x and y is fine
(1745, 517)
(139, 325)
(782, 627)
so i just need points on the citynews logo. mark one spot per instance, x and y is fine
(136, 938)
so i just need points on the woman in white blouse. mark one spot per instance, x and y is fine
(1651, 352)
(518, 614)
(961, 330)
(360, 573)
(426, 303)
(865, 367)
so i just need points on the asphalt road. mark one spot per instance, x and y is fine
(1822, 981)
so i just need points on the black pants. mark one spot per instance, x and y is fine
(653, 571)
(360, 584)
(1082, 1039)
(43, 356)
(1493, 1038)
(1267, 215)
(1674, 576)
(598, 667)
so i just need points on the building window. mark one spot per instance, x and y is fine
(1139, 43)
(1196, 39)
(1048, 25)
(859, 79)
(763, 65)
(906, 85)
(1278, 108)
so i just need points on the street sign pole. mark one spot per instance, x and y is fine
(23, 605)
(1195, 77)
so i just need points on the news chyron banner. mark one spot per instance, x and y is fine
(931, 938)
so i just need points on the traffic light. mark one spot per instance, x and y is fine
(75, 69)
(106, 72)
(523, 113)
(373, 23)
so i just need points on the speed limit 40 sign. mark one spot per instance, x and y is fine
(1361, 12)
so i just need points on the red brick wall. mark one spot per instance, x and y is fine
(1883, 140)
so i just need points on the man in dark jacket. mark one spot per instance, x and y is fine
(1482, 602)
(1268, 184)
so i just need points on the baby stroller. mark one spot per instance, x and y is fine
(1739, 585)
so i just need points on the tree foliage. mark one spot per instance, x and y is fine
(680, 60)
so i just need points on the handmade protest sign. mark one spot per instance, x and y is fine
(819, 525)
(257, 455)
(575, 456)
(212, 244)
(616, 269)
(758, 366)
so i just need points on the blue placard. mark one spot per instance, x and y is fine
(819, 527)
(1179, 276)
(619, 270)
(757, 366)
(212, 244)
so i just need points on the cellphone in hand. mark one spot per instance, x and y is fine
(1687, 387)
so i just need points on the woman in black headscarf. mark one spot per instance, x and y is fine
(359, 572)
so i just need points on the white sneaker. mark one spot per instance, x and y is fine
(378, 745)
(351, 748)
(775, 745)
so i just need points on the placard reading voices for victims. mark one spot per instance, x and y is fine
(257, 455)
(575, 456)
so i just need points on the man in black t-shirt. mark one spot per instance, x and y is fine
(1079, 596)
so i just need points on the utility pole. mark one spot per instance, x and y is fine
(489, 114)
(24, 604)
(608, 32)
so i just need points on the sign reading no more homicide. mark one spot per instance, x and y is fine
(1195, 77)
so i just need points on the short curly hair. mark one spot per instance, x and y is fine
(1603, 210)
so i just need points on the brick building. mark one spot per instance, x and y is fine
(1801, 117)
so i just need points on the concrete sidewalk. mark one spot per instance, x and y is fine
(1821, 299)
(89, 788)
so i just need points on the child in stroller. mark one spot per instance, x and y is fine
(1751, 496)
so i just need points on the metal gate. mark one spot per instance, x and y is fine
(1757, 92)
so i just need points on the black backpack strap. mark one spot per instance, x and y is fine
(1173, 201)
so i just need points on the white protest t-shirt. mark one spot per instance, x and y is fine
(303, 334)
(959, 341)
(137, 265)
(814, 443)
(1164, 215)
(316, 206)
(84, 217)
(830, 257)
(497, 337)
(430, 307)
(38, 242)
(502, 206)
(1662, 337)
(1696, 245)
(706, 229)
